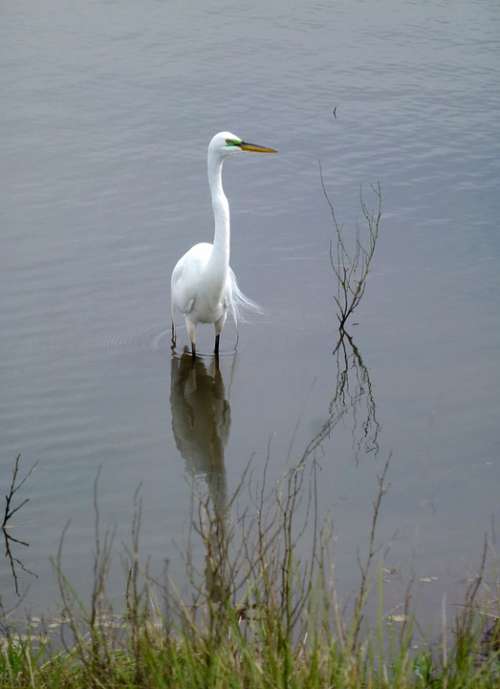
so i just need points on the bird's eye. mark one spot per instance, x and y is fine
(232, 142)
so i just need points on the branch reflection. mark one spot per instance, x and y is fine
(10, 510)
(353, 396)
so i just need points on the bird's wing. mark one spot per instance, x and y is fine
(185, 277)
(189, 306)
(181, 294)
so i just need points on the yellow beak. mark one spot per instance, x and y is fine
(245, 146)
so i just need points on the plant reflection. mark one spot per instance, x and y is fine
(201, 419)
(353, 396)
(10, 510)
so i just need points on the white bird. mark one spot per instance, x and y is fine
(203, 285)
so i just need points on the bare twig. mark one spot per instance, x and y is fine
(352, 265)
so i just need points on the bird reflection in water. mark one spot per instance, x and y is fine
(201, 419)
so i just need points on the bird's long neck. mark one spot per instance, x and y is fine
(220, 205)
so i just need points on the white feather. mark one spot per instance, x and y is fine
(204, 288)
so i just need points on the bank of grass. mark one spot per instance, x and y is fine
(248, 654)
(266, 659)
(258, 616)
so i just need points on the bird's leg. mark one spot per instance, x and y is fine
(219, 325)
(191, 331)
(173, 341)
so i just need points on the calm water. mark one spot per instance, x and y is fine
(107, 109)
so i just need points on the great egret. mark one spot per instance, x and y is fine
(203, 285)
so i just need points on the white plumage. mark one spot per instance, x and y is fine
(203, 286)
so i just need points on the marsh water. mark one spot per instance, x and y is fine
(107, 109)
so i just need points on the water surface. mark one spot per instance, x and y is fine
(107, 111)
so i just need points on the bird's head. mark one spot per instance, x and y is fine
(224, 144)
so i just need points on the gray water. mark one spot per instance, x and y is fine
(107, 109)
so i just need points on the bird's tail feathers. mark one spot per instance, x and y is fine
(240, 306)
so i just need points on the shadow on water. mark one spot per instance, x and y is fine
(201, 420)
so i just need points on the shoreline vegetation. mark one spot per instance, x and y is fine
(263, 610)
(258, 615)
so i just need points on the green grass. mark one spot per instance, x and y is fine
(259, 656)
